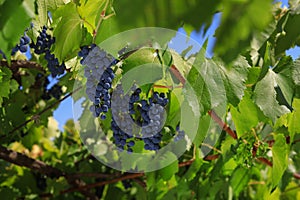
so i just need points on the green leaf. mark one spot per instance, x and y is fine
(204, 125)
(5, 76)
(234, 77)
(199, 87)
(206, 81)
(90, 11)
(280, 158)
(44, 6)
(293, 119)
(239, 180)
(194, 168)
(291, 34)
(139, 58)
(284, 78)
(168, 13)
(4, 89)
(233, 35)
(253, 75)
(167, 172)
(246, 115)
(15, 17)
(68, 32)
(296, 72)
(265, 97)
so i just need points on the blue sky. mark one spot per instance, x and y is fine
(64, 111)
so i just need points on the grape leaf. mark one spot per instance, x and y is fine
(206, 81)
(68, 32)
(199, 87)
(293, 119)
(246, 115)
(239, 179)
(44, 6)
(90, 11)
(291, 36)
(284, 78)
(296, 72)
(280, 158)
(4, 90)
(204, 125)
(194, 168)
(234, 77)
(265, 97)
(5, 75)
(167, 172)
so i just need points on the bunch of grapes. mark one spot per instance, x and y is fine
(43, 46)
(131, 113)
(84, 52)
(102, 94)
(150, 115)
(122, 123)
(22, 46)
(99, 76)
(43, 43)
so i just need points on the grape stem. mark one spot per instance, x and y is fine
(102, 17)
(222, 124)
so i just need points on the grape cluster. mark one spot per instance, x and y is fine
(132, 113)
(43, 46)
(43, 43)
(22, 46)
(102, 94)
(122, 124)
(99, 76)
(150, 116)
(84, 52)
(121, 137)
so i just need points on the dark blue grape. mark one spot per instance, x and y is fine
(42, 46)
(149, 114)
(84, 51)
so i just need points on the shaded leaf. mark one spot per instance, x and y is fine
(239, 20)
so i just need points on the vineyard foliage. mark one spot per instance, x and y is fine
(232, 119)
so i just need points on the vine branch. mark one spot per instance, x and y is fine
(16, 64)
(25, 161)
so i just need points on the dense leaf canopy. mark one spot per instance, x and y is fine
(232, 120)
